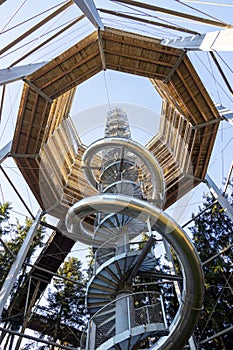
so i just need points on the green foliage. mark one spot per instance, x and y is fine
(65, 311)
(4, 213)
(67, 300)
(12, 237)
(212, 232)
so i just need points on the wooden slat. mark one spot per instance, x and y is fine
(208, 106)
(63, 57)
(138, 41)
(210, 146)
(65, 69)
(78, 80)
(139, 57)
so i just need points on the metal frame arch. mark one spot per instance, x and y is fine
(138, 150)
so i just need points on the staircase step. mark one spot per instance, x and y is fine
(107, 281)
(101, 288)
(127, 340)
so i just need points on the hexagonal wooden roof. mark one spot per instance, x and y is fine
(189, 119)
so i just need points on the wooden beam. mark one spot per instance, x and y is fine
(175, 66)
(192, 94)
(77, 81)
(201, 88)
(132, 70)
(66, 55)
(38, 91)
(209, 149)
(199, 126)
(55, 78)
(139, 58)
(101, 48)
(138, 41)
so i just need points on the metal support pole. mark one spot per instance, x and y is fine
(229, 329)
(226, 113)
(39, 340)
(149, 244)
(9, 75)
(163, 311)
(5, 152)
(18, 262)
(27, 312)
(89, 9)
(219, 196)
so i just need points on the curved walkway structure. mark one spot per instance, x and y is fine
(131, 196)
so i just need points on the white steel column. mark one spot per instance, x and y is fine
(9, 75)
(219, 196)
(122, 313)
(18, 262)
(89, 9)
(5, 152)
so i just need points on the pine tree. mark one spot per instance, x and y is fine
(12, 237)
(212, 233)
(68, 298)
(65, 311)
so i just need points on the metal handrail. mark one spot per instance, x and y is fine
(128, 296)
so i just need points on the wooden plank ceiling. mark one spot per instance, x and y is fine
(48, 94)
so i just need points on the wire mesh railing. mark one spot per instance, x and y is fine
(142, 308)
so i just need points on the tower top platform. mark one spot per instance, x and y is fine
(188, 126)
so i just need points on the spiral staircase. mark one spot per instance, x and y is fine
(130, 200)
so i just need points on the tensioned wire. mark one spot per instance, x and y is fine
(197, 10)
(144, 13)
(208, 3)
(152, 30)
(219, 85)
(194, 9)
(39, 37)
(27, 20)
